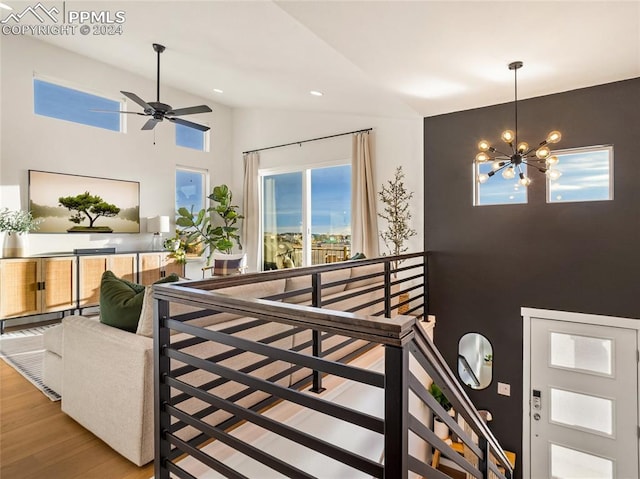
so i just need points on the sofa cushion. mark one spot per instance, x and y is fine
(121, 301)
(357, 272)
(304, 282)
(262, 289)
(255, 290)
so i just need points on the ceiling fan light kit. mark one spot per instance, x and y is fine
(159, 111)
(538, 157)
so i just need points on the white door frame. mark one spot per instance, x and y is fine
(584, 318)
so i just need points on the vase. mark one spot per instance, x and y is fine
(14, 244)
(440, 428)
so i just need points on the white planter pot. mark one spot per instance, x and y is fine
(15, 245)
(440, 429)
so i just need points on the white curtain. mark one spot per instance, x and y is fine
(364, 217)
(251, 201)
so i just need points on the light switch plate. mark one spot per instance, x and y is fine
(504, 389)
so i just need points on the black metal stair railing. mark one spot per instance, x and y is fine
(210, 383)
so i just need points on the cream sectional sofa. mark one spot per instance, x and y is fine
(105, 375)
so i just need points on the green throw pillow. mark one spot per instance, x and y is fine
(358, 256)
(121, 301)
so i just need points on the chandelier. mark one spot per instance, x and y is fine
(538, 157)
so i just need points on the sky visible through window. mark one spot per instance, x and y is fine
(64, 103)
(330, 201)
(190, 189)
(189, 137)
(499, 191)
(586, 176)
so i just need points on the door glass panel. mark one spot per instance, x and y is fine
(571, 464)
(282, 220)
(583, 411)
(330, 214)
(582, 352)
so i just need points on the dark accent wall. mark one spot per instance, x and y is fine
(489, 261)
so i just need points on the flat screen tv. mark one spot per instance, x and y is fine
(83, 204)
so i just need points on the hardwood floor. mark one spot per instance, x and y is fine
(37, 440)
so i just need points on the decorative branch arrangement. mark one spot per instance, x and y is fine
(396, 198)
(17, 221)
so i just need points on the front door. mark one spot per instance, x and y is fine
(583, 392)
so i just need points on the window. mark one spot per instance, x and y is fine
(306, 217)
(63, 103)
(587, 175)
(191, 188)
(497, 190)
(191, 138)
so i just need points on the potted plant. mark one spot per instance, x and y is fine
(16, 224)
(396, 213)
(177, 248)
(439, 427)
(199, 230)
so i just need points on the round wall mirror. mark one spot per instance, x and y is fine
(475, 360)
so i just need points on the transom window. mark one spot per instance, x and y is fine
(587, 175)
(306, 216)
(65, 103)
(498, 190)
(191, 138)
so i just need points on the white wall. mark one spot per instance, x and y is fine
(30, 141)
(396, 142)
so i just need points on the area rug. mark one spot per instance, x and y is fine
(23, 350)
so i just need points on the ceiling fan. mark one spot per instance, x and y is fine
(159, 111)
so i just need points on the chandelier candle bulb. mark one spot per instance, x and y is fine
(553, 174)
(484, 145)
(508, 136)
(509, 173)
(543, 152)
(552, 160)
(482, 157)
(554, 137)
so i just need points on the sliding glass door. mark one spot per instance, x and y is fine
(306, 217)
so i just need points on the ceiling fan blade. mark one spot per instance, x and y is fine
(189, 111)
(190, 124)
(137, 99)
(119, 111)
(150, 124)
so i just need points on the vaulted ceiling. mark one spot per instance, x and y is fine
(390, 58)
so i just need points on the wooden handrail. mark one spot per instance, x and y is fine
(251, 278)
(396, 331)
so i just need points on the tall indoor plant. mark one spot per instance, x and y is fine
(16, 224)
(199, 228)
(396, 213)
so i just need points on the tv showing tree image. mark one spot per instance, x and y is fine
(83, 204)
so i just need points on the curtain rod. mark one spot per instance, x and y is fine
(306, 141)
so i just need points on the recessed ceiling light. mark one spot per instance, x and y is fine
(5, 6)
(217, 90)
(316, 93)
